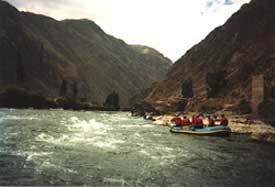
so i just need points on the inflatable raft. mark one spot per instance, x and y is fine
(210, 131)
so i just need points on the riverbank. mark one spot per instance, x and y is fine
(20, 98)
(257, 129)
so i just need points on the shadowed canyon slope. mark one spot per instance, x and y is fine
(222, 64)
(38, 53)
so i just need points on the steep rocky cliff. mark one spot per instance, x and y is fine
(39, 53)
(221, 65)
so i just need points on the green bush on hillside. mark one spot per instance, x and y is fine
(187, 89)
(112, 102)
(267, 109)
(215, 82)
(245, 107)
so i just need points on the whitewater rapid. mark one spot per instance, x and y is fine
(68, 148)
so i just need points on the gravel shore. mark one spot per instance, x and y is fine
(256, 129)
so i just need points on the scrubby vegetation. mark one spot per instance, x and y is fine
(245, 107)
(187, 89)
(140, 109)
(63, 88)
(267, 109)
(245, 71)
(181, 105)
(215, 82)
(112, 102)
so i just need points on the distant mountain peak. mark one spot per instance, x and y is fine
(6, 8)
(149, 50)
(40, 54)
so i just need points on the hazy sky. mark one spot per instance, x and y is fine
(170, 26)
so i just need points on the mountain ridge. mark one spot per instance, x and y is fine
(242, 47)
(45, 52)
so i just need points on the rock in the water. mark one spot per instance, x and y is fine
(141, 109)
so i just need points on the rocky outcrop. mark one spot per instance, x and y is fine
(220, 67)
(143, 109)
(39, 53)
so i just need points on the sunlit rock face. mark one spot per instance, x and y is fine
(39, 53)
(221, 65)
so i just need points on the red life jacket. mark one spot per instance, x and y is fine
(211, 122)
(185, 122)
(194, 120)
(176, 120)
(199, 122)
(224, 122)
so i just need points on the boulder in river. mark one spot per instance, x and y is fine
(140, 109)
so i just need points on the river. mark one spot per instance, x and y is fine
(66, 148)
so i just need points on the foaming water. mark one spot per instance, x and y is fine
(86, 125)
(63, 148)
(15, 118)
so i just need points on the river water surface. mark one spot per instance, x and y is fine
(63, 148)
